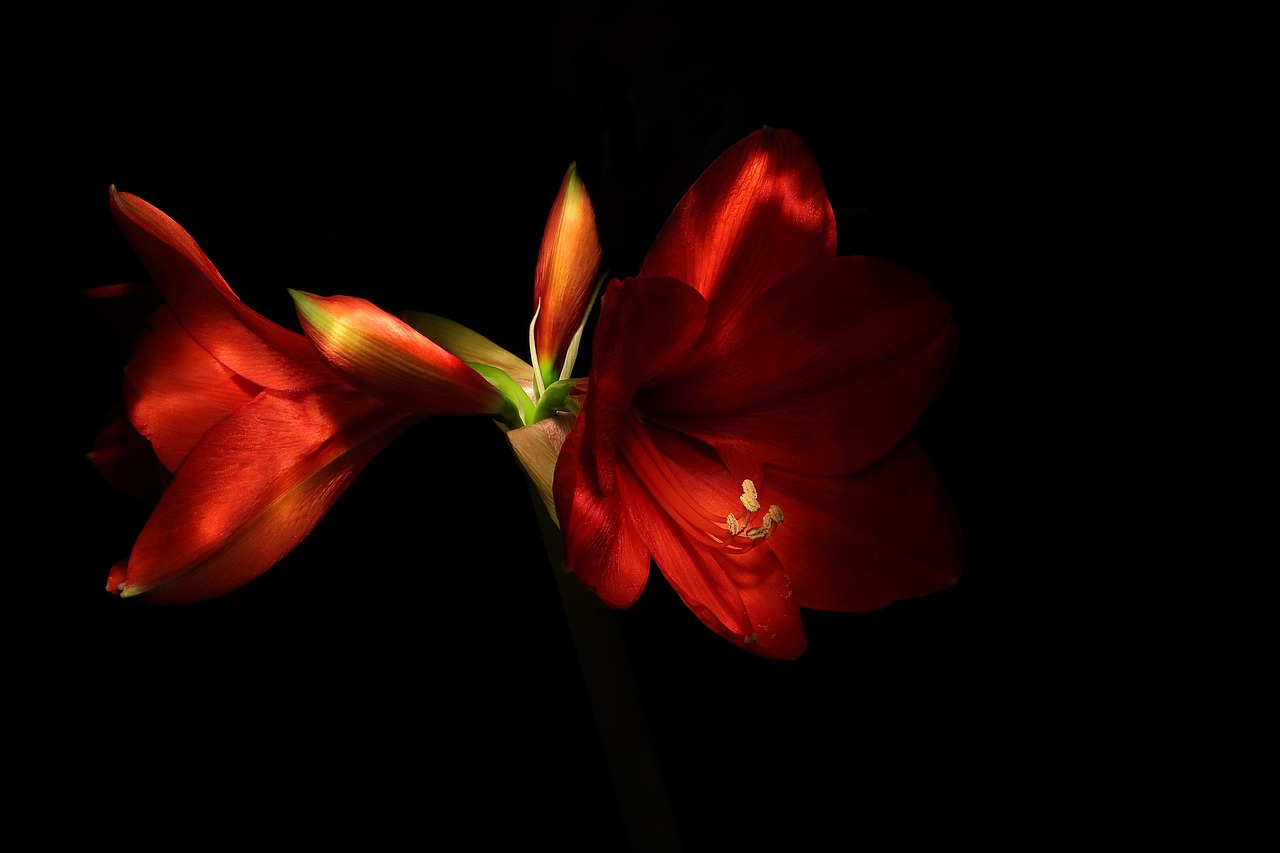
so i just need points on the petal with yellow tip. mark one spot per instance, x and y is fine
(567, 264)
(385, 356)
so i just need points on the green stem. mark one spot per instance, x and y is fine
(637, 777)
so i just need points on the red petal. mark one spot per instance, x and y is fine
(825, 375)
(745, 598)
(863, 541)
(248, 343)
(759, 212)
(387, 357)
(600, 546)
(645, 328)
(127, 461)
(175, 390)
(252, 489)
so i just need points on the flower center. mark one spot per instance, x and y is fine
(732, 533)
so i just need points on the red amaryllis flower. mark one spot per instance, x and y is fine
(261, 437)
(751, 395)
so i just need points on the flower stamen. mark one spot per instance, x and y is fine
(734, 534)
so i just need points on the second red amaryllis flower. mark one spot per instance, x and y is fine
(251, 435)
(747, 426)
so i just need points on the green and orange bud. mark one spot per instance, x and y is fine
(566, 282)
(385, 356)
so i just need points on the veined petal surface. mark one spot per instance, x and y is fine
(175, 390)
(601, 544)
(646, 327)
(863, 541)
(251, 490)
(759, 212)
(567, 263)
(387, 357)
(826, 375)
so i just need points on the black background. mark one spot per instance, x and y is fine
(408, 671)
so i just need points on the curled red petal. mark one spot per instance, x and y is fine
(256, 484)
(600, 545)
(248, 343)
(759, 212)
(864, 541)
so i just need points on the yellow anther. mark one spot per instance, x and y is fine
(750, 500)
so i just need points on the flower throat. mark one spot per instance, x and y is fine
(731, 533)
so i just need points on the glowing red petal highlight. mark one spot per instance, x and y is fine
(255, 485)
(175, 390)
(757, 213)
(387, 357)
